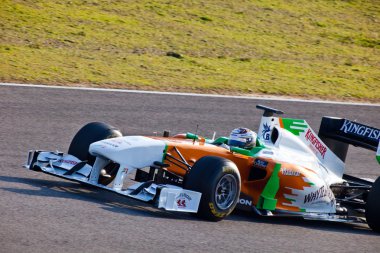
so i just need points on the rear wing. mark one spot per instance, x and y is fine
(338, 134)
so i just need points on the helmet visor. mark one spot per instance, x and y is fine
(237, 142)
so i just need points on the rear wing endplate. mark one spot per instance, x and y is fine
(338, 133)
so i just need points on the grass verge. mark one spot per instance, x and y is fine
(324, 49)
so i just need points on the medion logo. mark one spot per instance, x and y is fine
(359, 129)
(245, 202)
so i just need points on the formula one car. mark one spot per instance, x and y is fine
(291, 171)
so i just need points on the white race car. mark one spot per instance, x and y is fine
(291, 171)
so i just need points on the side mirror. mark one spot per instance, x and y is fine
(268, 111)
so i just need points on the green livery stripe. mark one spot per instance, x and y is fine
(302, 210)
(291, 200)
(165, 151)
(378, 159)
(192, 136)
(220, 140)
(247, 152)
(295, 126)
(267, 199)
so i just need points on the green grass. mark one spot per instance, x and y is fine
(326, 49)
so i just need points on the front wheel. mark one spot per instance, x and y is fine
(90, 133)
(372, 210)
(218, 180)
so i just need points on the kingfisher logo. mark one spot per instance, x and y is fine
(265, 133)
(316, 143)
(360, 130)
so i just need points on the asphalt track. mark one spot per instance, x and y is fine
(40, 213)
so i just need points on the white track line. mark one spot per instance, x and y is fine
(188, 94)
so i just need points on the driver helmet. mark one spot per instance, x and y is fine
(242, 138)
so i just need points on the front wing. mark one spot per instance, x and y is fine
(166, 196)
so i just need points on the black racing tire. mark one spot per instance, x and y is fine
(208, 176)
(90, 133)
(372, 210)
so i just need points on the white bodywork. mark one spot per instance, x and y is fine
(297, 144)
(290, 149)
(131, 152)
(306, 150)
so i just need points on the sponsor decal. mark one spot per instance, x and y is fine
(67, 161)
(318, 194)
(260, 164)
(184, 195)
(316, 142)
(245, 202)
(182, 200)
(360, 130)
(288, 172)
(120, 142)
(267, 152)
(265, 133)
(181, 203)
(111, 144)
(228, 169)
(215, 212)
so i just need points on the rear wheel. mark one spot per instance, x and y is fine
(218, 180)
(90, 133)
(372, 210)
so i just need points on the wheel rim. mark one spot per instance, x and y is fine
(225, 192)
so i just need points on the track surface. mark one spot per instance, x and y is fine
(40, 213)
